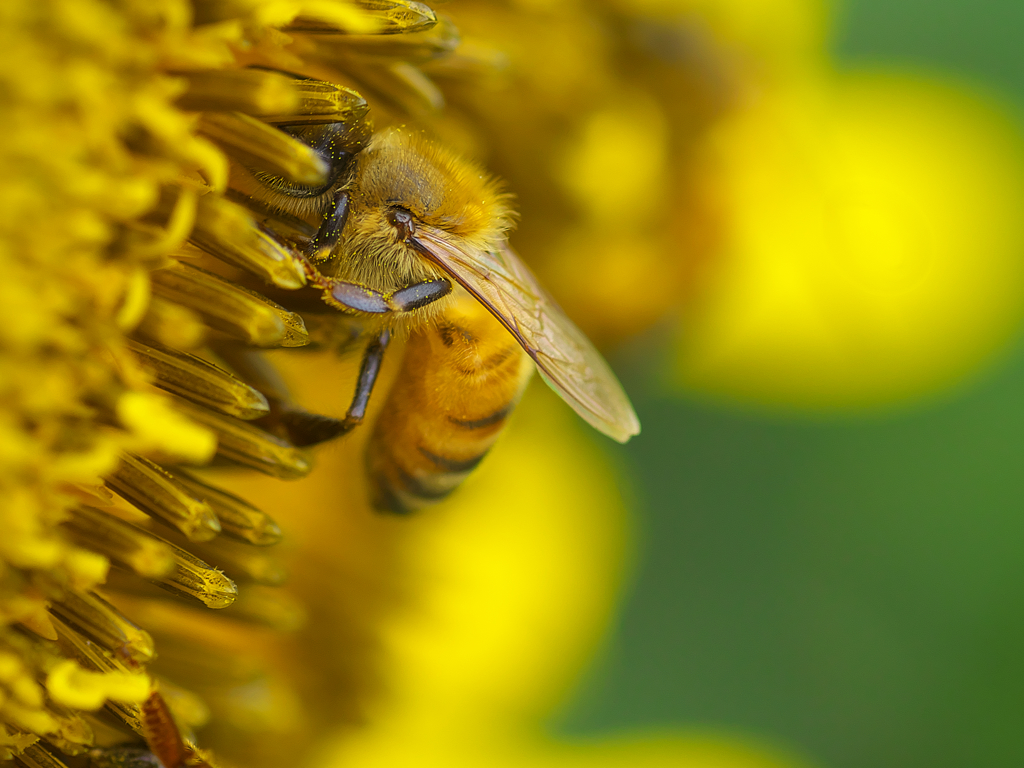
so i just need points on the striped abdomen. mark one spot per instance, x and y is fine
(460, 379)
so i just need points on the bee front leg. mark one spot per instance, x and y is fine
(354, 297)
(327, 237)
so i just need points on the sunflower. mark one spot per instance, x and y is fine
(137, 366)
(128, 256)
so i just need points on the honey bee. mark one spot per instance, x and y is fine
(413, 240)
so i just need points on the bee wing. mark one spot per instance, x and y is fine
(567, 360)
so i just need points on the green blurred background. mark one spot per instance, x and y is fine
(849, 588)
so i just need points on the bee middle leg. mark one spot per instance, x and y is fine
(305, 429)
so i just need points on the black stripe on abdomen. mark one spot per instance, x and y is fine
(418, 487)
(449, 464)
(387, 500)
(487, 421)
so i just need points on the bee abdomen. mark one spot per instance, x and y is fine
(459, 382)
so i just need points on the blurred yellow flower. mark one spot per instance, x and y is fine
(770, 37)
(872, 247)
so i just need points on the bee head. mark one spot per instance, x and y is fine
(410, 181)
(403, 183)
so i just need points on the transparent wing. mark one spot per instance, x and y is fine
(565, 357)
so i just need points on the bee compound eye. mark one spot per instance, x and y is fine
(402, 220)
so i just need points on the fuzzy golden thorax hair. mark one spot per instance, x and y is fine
(403, 169)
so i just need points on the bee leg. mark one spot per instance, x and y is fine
(352, 296)
(368, 371)
(305, 429)
(338, 144)
(420, 294)
(287, 419)
(327, 237)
